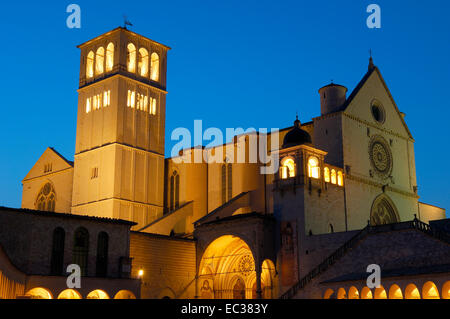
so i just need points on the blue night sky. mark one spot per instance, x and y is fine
(232, 64)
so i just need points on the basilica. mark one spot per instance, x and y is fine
(139, 225)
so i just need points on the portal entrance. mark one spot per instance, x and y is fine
(227, 271)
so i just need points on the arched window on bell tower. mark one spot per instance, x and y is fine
(155, 67)
(100, 61)
(131, 58)
(90, 65)
(143, 62)
(109, 57)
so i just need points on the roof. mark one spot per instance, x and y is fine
(374, 69)
(238, 217)
(65, 215)
(125, 30)
(62, 157)
(398, 272)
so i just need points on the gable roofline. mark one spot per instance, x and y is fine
(122, 29)
(31, 212)
(62, 157)
(360, 85)
(70, 163)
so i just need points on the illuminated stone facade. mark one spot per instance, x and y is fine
(224, 230)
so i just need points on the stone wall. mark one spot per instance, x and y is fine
(168, 265)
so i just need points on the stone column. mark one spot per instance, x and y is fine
(258, 270)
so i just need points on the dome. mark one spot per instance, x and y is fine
(296, 136)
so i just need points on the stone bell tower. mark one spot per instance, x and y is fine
(119, 156)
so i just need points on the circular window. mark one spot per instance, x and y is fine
(378, 112)
(380, 156)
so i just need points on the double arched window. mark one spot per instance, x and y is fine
(287, 168)
(174, 200)
(46, 199)
(81, 249)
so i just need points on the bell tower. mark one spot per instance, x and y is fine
(119, 156)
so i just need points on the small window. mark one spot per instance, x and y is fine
(333, 177)
(326, 174)
(313, 167)
(340, 179)
(94, 173)
(88, 104)
(378, 112)
(106, 98)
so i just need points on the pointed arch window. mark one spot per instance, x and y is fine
(230, 181)
(81, 249)
(57, 261)
(143, 62)
(100, 61)
(227, 181)
(102, 254)
(131, 58)
(154, 67)
(90, 65)
(109, 57)
(174, 200)
(46, 199)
